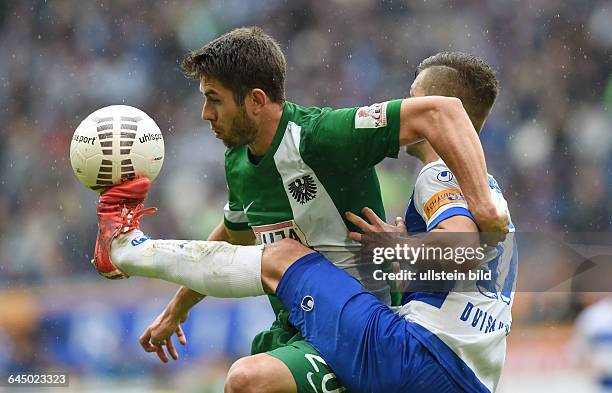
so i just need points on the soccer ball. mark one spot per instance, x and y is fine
(114, 144)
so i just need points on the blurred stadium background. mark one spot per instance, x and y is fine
(548, 141)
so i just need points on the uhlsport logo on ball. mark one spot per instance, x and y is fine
(114, 144)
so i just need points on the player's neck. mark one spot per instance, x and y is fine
(270, 119)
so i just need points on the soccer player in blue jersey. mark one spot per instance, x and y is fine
(464, 330)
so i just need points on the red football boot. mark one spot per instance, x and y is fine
(119, 209)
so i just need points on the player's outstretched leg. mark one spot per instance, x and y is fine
(211, 268)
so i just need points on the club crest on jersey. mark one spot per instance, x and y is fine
(307, 303)
(303, 189)
(373, 116)
(445, 176)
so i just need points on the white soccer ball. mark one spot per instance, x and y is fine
(114, 144)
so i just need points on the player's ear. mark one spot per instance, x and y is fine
(258, 99)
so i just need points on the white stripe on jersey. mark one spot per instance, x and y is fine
(321, 212)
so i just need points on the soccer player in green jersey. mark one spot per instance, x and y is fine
(291, 172)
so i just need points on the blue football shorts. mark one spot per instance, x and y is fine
(369, 347)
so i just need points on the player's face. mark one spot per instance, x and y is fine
(229, 121)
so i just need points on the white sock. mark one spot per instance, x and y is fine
(211, 268)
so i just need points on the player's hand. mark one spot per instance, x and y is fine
(493, 223)
(374, 224)
(159, 334)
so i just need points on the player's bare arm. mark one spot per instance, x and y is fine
(443, 122)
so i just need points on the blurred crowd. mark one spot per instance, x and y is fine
(548, 139)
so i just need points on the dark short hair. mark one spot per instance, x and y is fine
(467, 77)
(242, 59)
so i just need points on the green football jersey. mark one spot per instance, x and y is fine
(319, 166)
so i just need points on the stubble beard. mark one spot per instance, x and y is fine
(243, 130)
